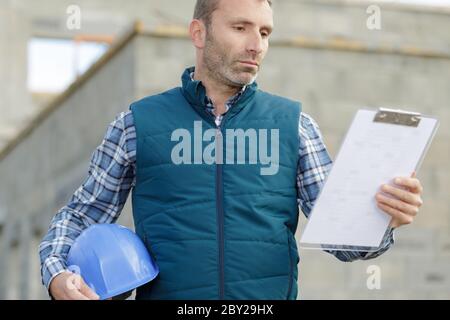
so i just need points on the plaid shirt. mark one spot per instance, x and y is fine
(111, 176)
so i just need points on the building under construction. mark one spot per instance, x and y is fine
(322, 53)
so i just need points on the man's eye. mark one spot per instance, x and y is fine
(239, 28)
(264, 34)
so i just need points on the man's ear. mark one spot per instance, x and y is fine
(197, 31)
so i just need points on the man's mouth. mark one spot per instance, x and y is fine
(249, 63)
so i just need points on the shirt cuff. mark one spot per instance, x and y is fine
(386, 243)
(388, 238)
(50, 269)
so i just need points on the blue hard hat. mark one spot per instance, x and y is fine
(111, 259)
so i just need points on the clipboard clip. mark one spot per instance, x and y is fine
(400, 117)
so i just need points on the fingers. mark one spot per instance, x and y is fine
(405, 196)
(398, 205)
(413, 184)
(399, 217)
(88, 292)
(73, 294)
(402, 200)
(77, 289)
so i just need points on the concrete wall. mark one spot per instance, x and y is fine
(401, 25)
(15, 101)
(41, 174)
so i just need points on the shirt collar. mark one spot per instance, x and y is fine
(230, 102)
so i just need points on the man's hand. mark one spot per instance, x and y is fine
(406, 203)
(70, 286)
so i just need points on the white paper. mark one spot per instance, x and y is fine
(372, 154)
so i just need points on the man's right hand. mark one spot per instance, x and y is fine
(70, 286)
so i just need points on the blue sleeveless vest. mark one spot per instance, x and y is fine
(221, 229)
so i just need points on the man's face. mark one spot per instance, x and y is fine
(237, 40)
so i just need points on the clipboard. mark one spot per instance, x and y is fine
(379, 146)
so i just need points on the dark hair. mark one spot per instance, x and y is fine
(205, 8)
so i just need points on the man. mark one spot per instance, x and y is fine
(220, 229)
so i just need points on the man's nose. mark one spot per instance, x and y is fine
(255, 43)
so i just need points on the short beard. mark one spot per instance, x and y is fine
(216, 64)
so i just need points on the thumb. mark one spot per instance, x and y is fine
(413, 175)
(87, 291)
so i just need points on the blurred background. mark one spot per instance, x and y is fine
(68, 67)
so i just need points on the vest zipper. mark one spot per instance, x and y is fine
(220, 210)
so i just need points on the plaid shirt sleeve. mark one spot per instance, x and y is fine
(313, 168)
(99, 199)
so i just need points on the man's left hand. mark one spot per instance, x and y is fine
(407, 200)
